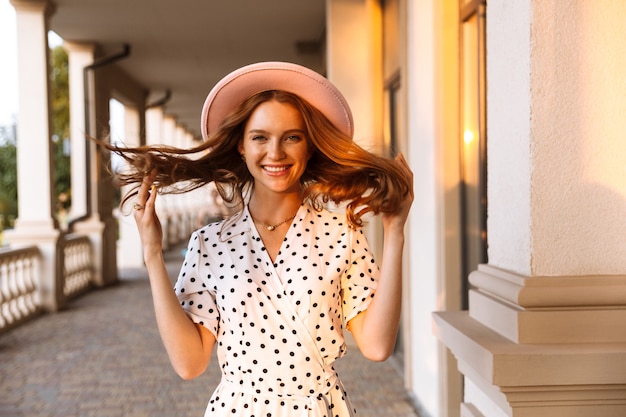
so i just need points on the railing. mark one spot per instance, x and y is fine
(21, 269)
(18, 287)
(77, 265)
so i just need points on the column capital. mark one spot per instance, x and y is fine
(34, 5)
(79, 47)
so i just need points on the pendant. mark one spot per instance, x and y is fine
(271, 228)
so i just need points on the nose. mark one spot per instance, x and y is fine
(275, 150)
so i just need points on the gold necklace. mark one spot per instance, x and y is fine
(272, 227)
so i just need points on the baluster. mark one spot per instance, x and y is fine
(9, 289)
(21, 286)
(4, 318)
(27, 286)
(69, 269)
(24, 285)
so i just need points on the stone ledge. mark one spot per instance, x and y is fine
(537, 379)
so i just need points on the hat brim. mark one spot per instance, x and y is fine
(244, 82)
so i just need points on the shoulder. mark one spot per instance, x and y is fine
(209, 230)
(218, 232)
(327, 222)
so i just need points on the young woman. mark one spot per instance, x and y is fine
(274, 286)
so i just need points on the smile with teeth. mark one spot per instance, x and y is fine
(275, 169)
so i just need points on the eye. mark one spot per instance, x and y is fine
(257, 137)
(293, 138)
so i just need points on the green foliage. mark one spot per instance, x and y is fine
(61, 126)
(8, 179)
(60, 146)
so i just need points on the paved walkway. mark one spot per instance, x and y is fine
(102, 357)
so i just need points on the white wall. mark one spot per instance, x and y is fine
(556, 96)
(508, 128)
(578, 142)
(423, 238)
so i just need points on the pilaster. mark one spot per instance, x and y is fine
(36, 223)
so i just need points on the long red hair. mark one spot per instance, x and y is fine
(340, 171)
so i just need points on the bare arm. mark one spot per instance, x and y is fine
(188, 345)
(375, 329)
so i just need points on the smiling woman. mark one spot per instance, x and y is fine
(273, 287)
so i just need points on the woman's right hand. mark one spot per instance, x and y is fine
(147, 220)
(189, 345)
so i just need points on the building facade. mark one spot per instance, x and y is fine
(511, 114)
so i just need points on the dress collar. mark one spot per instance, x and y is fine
(241, 222)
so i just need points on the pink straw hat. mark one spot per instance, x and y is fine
(240, 84)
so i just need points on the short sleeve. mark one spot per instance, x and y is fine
(360, 278)
(193, 290)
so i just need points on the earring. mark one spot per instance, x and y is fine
(243, 157)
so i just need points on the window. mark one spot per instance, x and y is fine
(473, 135)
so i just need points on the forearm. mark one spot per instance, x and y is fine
(376, 328)
(188, 349)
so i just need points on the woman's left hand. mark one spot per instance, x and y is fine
(375, 329)
(398, 219)
(148, 223)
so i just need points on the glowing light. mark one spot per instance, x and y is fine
(468, 137)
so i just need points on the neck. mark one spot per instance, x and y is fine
(272, 210)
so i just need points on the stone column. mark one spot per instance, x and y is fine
(180, 200)
(154, 136)
(85, 216)
(129, 249)
(168, 201)
(80, 55)
(97, 221)
(36, 224)
(354, 64)
(545, 333)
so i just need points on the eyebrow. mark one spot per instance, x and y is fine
(285, 132)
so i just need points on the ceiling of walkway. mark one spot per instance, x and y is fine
(186, 46)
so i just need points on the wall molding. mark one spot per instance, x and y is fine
(566, 309)
(537, 380)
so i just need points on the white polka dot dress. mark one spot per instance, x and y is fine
(278, 325)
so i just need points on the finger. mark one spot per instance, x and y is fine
(404, 165)
(142, 195)
(151, 200)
